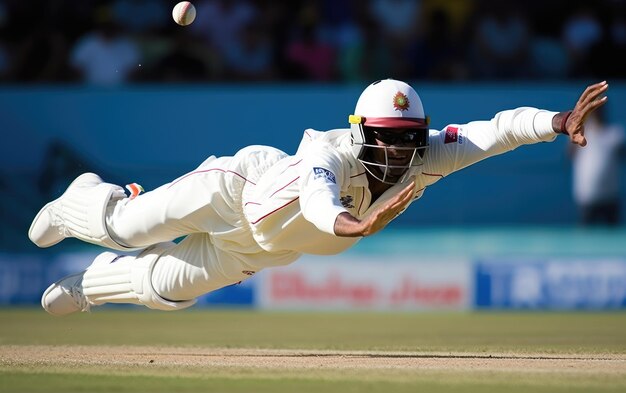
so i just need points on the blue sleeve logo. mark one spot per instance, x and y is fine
(321, 173)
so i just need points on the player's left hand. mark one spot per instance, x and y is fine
(590, 100)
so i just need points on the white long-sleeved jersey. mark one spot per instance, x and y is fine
(294, 205)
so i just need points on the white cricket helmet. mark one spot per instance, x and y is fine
(389, 103)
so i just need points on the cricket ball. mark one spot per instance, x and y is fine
(184, 13)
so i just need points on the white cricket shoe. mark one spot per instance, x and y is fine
(49, 226)
(65, 296)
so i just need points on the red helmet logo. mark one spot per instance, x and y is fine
(401, 102)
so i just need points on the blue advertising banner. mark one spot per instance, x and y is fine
(238, 295)
(24, 277)
(551, 284)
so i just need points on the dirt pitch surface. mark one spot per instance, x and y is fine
(16, 356)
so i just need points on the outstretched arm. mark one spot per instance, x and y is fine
(458, 146)
(572, 123)
(347, 225)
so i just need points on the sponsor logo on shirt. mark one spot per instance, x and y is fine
(346, 201)
(321, 173)
(452, 135)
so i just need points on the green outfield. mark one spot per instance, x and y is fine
(136, 350)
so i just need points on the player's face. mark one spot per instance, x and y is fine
(399, 144)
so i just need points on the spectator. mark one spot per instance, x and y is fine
(139, 16)
(458, 13)
(276, 18)
(378, 58)
(581, 32)
(185, 60)
(105, 56)
(315, 59)
(548, 58)
(221, 22)
(397, 18)
(36, 44)
(41, 56)
(613, 44)
(250, 58)
(596, 170)
(150, 25)
(339, 27)
(502, 35)
(4, 62)
(444, 59)
(397, 21)
(4, 51)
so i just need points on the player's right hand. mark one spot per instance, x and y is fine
(383, 214)
(347, 225)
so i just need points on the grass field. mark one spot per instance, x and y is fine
(130, 350)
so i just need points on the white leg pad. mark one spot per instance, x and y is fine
(80, 212)
(83, 213)
(127, 279)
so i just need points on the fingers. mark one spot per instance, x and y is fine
(592, 91)
(589, 99)
(579, 140)
(404, 196)
(598, 102)
(388, 211)
(399, 201)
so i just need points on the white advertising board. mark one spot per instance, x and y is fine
(366, 283)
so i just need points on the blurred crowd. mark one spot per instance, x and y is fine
(109, 42)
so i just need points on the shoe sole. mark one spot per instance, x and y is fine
(43, 209)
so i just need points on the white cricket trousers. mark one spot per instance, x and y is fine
(204, 206)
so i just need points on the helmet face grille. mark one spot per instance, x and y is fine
(384, 171)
